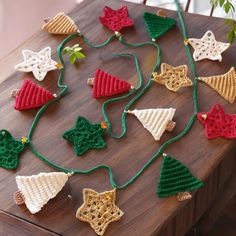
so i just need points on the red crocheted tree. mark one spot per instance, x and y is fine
(116, 20)
(106, 85)
(217, 123)
(31, 96)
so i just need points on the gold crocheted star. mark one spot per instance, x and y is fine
(173, 77)
(207, 47)
(99, 209)
(37, 62)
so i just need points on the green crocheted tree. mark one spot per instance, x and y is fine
(9, 150)
(175, 178)
(85, 136)
(157, 25)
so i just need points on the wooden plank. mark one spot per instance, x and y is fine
(145, 214)
(11, 225)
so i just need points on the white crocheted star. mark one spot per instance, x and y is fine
(37, 62)
(207, 47)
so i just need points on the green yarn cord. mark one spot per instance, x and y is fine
(9, 150)
(106, 167)
(157, 25)
(85, 136)
(175, 178)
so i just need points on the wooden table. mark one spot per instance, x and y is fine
(145, 214)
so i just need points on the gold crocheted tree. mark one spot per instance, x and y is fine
(224, 84)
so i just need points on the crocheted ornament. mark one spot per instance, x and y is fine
(157, 25)
(10, 150)
(85, 136)
(31, 96)
(217, 123)
(35, 191)
(224, 84)
(106, 85)
(99, 209)
(173, 77)
(60, 24)
(37, 62)
(156, 121)
(175, 178)
(116, 20)
(207, 47)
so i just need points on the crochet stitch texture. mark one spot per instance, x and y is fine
(175, 178)
(32, 96)
(85, 136)
(9, 150)
(157, 25)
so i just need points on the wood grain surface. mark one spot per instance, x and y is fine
(145, 213)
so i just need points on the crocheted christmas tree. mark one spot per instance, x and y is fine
(85, 136)
(116, 20)
(31, 96)
(224, 84)
(157, 25)
(36, 190)
(175, 178)
(60, 24)
(9, 150)
(156, 121)
(106, 85)
(217, 123)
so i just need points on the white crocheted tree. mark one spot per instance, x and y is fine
(36, 190)
(156, 121)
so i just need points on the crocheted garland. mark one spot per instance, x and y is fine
(217, 123)
(99, 209)
(116, 20)
(60, 24)
(224, 84)
(175, 178)
(36, 190)
(173, 77)
(10, 150)
(207, 47)
(156, 121)
(31, 96)
(106, 85)
(37, 62)
(85, 136)
(157, 25)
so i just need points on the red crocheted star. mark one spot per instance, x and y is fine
(217, 123)
(116, 20)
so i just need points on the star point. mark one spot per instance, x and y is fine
(207, 47)
(99, 209)
(39, 63)
(217, 123)
(85, 136)
(116, 20)
(173, 77)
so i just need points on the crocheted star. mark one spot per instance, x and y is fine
(116, 20)
(37, 62)
(217, 123)
(173, 77)
(207, 47)
(99, 209)
(9, 150)
(85, 136)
